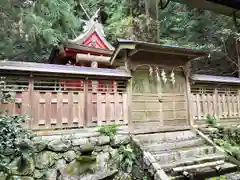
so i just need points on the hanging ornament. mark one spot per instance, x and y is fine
(163, 75)
(172, 77)
(150, 71)
(157, 74)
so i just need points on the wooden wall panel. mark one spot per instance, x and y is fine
(53, 106)
(106, 108)
(57, 110)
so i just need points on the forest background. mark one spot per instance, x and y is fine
(29, 29)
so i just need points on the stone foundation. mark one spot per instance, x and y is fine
(55, 154)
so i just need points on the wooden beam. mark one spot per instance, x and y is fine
(168, 51)
(132, 52)
(88, 48)
(91, 58)
(119, 48)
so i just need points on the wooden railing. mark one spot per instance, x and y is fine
(223, 103)
(52, 104)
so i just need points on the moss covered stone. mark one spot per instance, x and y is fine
(22, 167)
(38, 174)
(45, 159)
(69, 156)
(59, 145)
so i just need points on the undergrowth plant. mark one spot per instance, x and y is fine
(225, 137)
(125, 158)
(108, 130)
(15, 140)
(211, 120)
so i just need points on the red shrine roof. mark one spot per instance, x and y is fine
(92, 36)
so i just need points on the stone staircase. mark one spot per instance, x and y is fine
(183, 155)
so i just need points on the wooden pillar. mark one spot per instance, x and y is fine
(127, 64)
(30, 123)
(215, 103)
(86, 119)
(95, 83)
(188, 93)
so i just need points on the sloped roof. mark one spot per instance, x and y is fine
(154, 50)
(215, 79)
(17, 66)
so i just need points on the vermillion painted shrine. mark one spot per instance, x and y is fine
(89, 49)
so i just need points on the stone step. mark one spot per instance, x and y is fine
(225, 169)
(211, 164)
(166, 137)
(157, 148)
(192, 161)
(183, 154)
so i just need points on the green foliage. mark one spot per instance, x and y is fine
(108, 130)
(194, 28)
(14, 139)
(145, 178)
(50, 22)
(218, 178)
(125, 158)
(28, 32)
(228, 138)
(211, 120)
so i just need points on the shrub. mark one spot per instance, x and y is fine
(15, 140)
(108, 130)
(125, 158)
(211, 120)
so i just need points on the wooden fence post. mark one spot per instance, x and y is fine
(31, 100)
(85, 102)
(216, 105)
(238, 101)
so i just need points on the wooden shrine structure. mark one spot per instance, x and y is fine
(88, 82)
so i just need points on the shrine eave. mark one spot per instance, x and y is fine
(12, 67)
(84, 37)
(88, 49)
(139, 49)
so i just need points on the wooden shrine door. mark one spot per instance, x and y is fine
(157, 104)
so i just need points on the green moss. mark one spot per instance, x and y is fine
(86, 159)
(218, 178)
(82, 164)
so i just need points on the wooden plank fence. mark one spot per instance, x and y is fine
(50, 105)
(223, 103)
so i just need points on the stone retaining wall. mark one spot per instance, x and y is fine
(53, 153)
